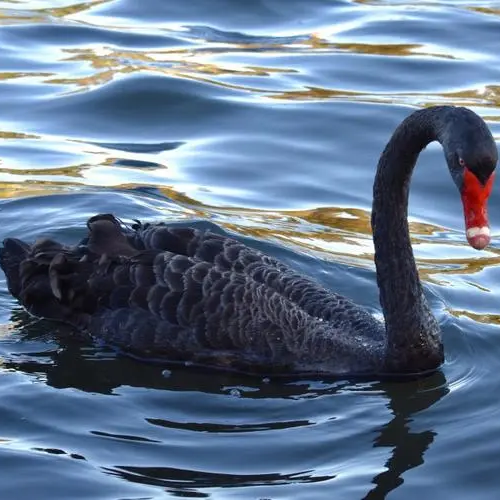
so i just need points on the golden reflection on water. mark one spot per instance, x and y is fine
(5, 134)
(6, 330)
(488, 319)
(485, 10)
(199, 63)
(203, 61)
(7, 17)
(70, 10)
(339, 233)
(11, 75)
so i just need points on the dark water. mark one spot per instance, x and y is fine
(266, 117)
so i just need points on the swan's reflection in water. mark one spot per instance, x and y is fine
(408, 448)
(212, 410)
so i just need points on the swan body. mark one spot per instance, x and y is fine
(178, 293)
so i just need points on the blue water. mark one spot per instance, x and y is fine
(266, 117)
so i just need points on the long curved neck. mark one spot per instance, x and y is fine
(414, 341)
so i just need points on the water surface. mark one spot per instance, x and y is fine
(266, 117)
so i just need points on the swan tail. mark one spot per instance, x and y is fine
(12, 254)
(48, 279)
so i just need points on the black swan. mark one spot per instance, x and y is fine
(185, 295)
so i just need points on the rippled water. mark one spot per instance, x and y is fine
(266, 117)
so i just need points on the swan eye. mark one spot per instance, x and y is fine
(461, 162)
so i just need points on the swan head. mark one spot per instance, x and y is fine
(472, 157)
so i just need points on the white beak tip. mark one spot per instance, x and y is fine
(478, 237)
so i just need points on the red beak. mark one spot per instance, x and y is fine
(475, 201)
